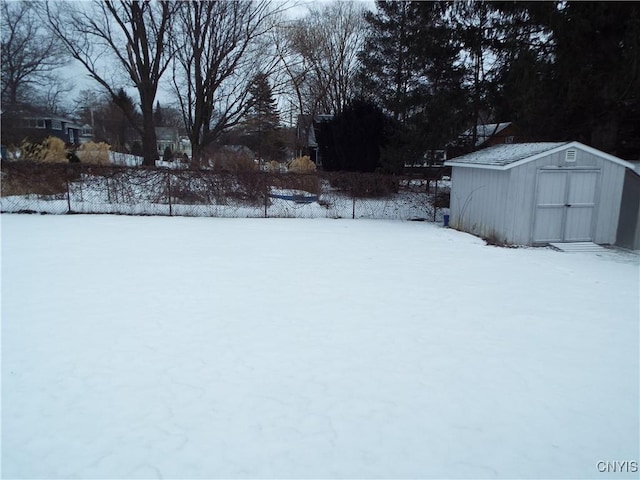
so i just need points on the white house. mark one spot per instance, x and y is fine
(538, 193)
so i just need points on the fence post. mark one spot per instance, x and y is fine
(353, 206)
(169, 192)
(435, 200)
(266, 195)
(68, 196)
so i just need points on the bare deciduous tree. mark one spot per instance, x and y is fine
(219, 49)
(328, 40)
(30, 54)
(130, 35)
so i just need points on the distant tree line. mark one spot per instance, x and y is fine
(401, 80)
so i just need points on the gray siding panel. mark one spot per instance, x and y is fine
(636, 242)
(478, 201)
(608, 211)
(628, 235)
(523, 184)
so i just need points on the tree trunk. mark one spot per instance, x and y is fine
(149, 140)
(13, 94)
(197, 153)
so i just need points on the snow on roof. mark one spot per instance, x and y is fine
(484, 132)
(506, 156)
(503, 155)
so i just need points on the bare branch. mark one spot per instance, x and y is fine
(30, 55)
(131, 32)
(219, 47)
(328, 41)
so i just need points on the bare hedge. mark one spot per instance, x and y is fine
(142, 190)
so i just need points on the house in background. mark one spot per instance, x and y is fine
(170, 137)
(86, 134)
(167, 137)
(431, 158)
(309, 136)
(486, 135)
(25, 124)
(539, 193)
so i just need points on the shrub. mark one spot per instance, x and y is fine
(364, 185)
(94, 153)
(167, 156)
(273, 166)
(494, 239)
(30, 151)
(28, 177)
(302, 165)
(307, 182)
(54, 150)
(51, 150)
(233, 162)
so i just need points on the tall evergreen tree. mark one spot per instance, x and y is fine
(597, 67)
(522, 84)
(261, 126)
(120, 120)
(573, 72)
(263, 111)
(477, 28)
(388, 68)
(410, 69)
(158, 115)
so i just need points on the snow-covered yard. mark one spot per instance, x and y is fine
(158, 347)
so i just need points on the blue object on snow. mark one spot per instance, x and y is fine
(296, 198)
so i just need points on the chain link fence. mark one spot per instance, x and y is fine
(79, 188)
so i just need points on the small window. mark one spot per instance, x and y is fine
(56, 125)
(36, 123)
(570, 156)
(508, 139)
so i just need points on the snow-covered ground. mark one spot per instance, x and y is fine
(172, 347)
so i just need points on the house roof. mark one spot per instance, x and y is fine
(308, 123)
(166, 133)
(484, 132)
(506, 156)
(70, 122)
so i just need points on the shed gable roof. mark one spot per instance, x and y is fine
(504, 157)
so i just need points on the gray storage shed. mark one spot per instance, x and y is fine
(629, 224)
(537, 193)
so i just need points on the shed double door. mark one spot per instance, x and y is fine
(565, 205)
